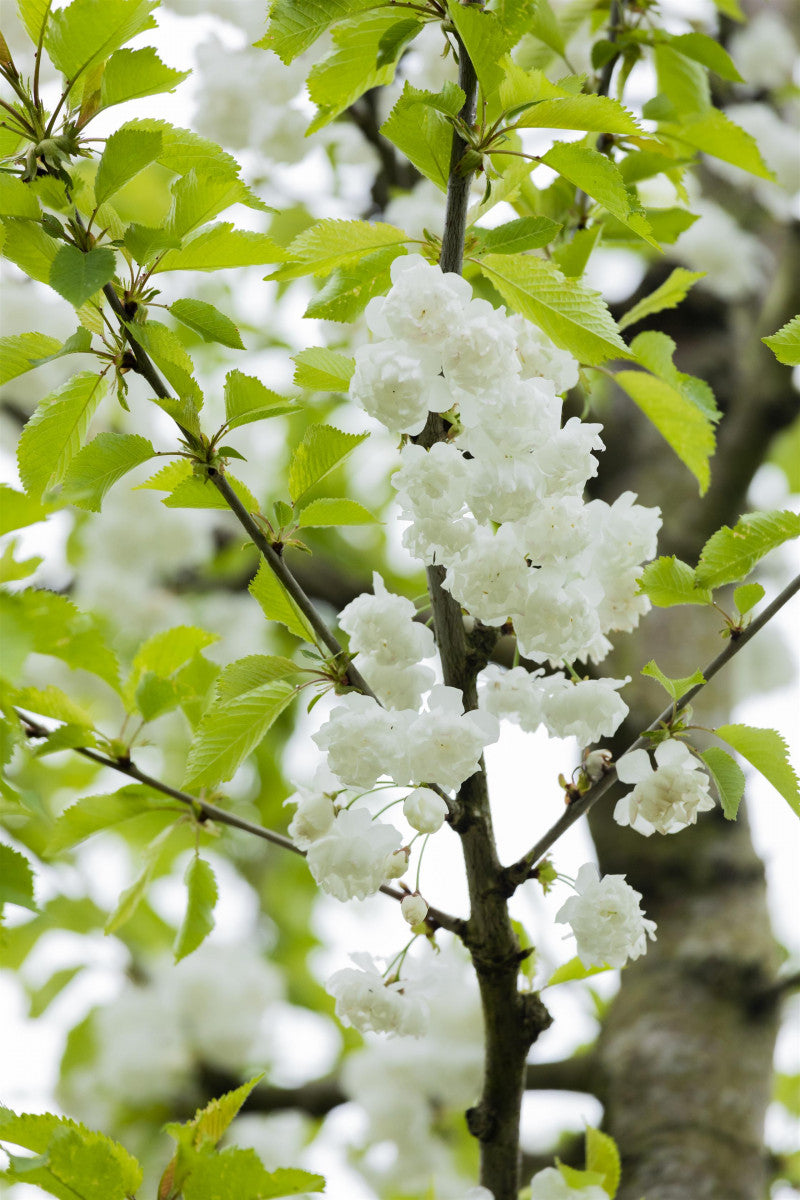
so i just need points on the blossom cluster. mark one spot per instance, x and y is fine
(587, 709)
(499, 505)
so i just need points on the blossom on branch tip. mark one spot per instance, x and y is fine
(365, 1000)
(665, 799)
(424, 810)
(352, 860)
(608, 924)
(414, 909)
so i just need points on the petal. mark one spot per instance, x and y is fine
(634, 767)
(673, 753)
(586, 877)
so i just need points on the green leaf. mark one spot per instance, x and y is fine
(220, 247)
(145, 244)
(323, 447)
(56, 432)
(93, 814)
(201, 897)
(728, 777)
(672, 291)
(209, 1124)
(731, 554)
(330, 243)
(164, 653)
(277, 605)
(679, 422)
(127, 152)
(768, 753)
(683, 87)
(199, 196)
(21, 352)
(17, 199)
(76, 1162)
(42, 997)
(155, 696)
(41, 622)
(34, 14)
(715, 134)
(349, 289)
(786, 1091)
(253, 671)
(602, 1156)
(100, 464)
(526, 233)
(167, 478)
(420, 127)
(485, 40)
(731, 8)
(572, 970)
(50, 701)
(669, 581)
(28, 246)
(785, 344)
(294, 25)
(595, 114)
(195, 492)
(600, 178)
(654, 351)
(674, 687)
(230, 731)
(132, 897)
(208, 321)
(88, 30)
(16, 879)
(77, 276)
(323, 370)
(236, 1174)
(170, 356)
(574, 316)
(334, 512)
(571, 257)
(747, 596)
(131, 74)
(18, 509)
(710, 53)
(246, 400)
(579, 1180)
(12, 569)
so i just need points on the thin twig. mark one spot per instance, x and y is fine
(519, 871)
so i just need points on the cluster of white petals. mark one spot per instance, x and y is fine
(606, 919)
(351, 860)
(666, 798)
(425, 810)
(368, 1002)
(587, 709)
(500, 506)
(550, 1184)
(390, 644)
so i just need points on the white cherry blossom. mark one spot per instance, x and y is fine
(397, 383)
(414, 909)
(665, 799)
(383, 626)
(588, 710)
(365, 1000)
(425, 810)
(445, 743)
(351, 860)
(605, 916)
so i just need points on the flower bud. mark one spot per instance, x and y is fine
(424, 810)
(397, 863)
(596, 764)
(414, 909)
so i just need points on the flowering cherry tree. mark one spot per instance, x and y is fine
(454, 426)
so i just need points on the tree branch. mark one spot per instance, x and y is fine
(519, 871)
(576, 1074)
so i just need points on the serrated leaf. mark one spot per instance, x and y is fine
(674, 687)
(16, 879)
(419, 126)
(17, 509)
(77, 276)
(167, 478)
(201, 898)
(209, 1124)
(17, 199)
(485, 40)
(714, 133)
(236, 1174)
(127, 152)
(222, 247)
(728, 777)
(50, 701)
(710, 53)
(669, 581)
(767, 751)
(132, 896)
(195, 492)
(349, 289)
(323, 447)
(672, 291)
(747, 596)
(294, 25)
(574, 316)
(164, 653)
(88, 1164)
(334, 512)
(683, 89)
(27, 245)
(131, 74)
(145, 244)
(56, 432)
(47, 623)
(230, 731)
(199, 196)
(526, 233)
(93, 814)
(253, 671)
(155, 696)
(276, 603)
(602, 1157)
(654, 351)
(21, 352)
(323, 369)
(208, 321)
(100, 464)
(731, 554)
(571, 257)
(331, 243)
(34, 14)
(246, 400)
(595, 174)
(579, 1180)
(170, 356)
(572, 970)
(785, 344)
(89, 30)
(595, 114)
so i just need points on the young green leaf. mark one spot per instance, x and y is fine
(195, 492)
(209, 1124)
(34, 14)
(574, 316)
(27, 245)
(75, 1162)
(705, 50)
(334, 512)
(22, 351)
(785, 344)
(602, 1156)
(131, 74)
(349, 290)
(93, 814)
(674, 687)
(331, 243)
(731, 554)
(231, 730)
(728, 777)
(247, 674)
(294, 25)
(43, 622)
(208, 321)
(485, 40)
(42, 997)
(595, 174)
(50, 701)
(77, 275)
(572, 970)
(56, 432)
(323, 370)
(235, 1173)
(199, 196)
(420, 126)
(323, 447)
(170, 356)
(127, 152)
(668, 581)
(100, 464)
(768, 753)
(246, 400)
(164, 653)
(276, 603)
(669, 295)
(17, 199)
(595, 114)
(17, 509)
(88, 30)
(220, 247)
(526, 233)
(714, 133)
(682, 425)
(16, 879)
(132, 896)
(747, 596)
(201, 897)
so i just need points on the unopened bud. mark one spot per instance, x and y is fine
(596, 764)
(397, 863)
(414, 909)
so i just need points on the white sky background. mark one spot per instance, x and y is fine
(29, 1051)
